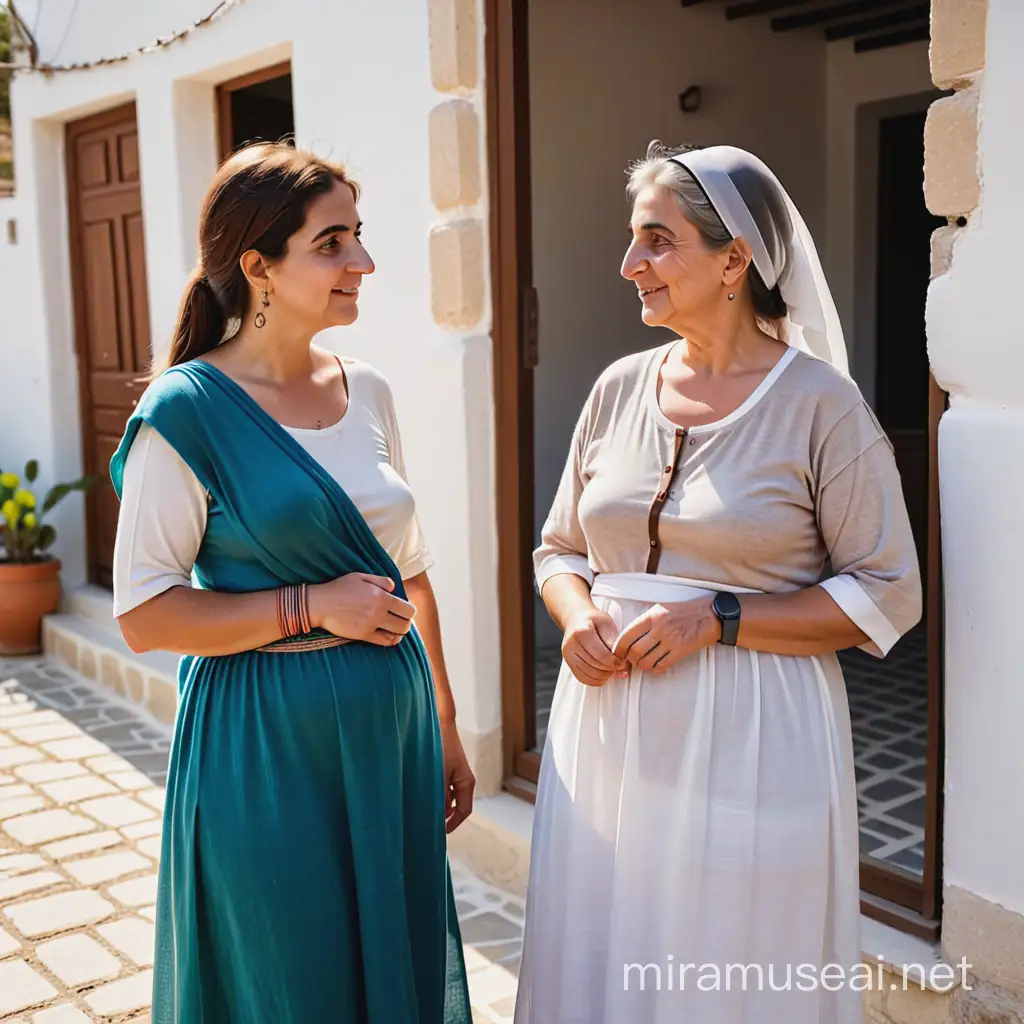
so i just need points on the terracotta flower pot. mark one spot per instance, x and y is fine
(28, 591)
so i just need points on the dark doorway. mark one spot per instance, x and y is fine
(904, 232)
(256, 108)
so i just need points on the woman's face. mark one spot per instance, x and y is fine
(679, 281)
(317, 282)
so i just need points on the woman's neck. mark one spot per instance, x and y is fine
(729, 341)
(274, 356)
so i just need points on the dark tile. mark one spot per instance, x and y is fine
(890, 789)
(887, 829)
(912, 748)
(912, 860)
(884, 759)
(911, 812)
(868, 844)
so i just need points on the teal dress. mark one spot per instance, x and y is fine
(303, 873)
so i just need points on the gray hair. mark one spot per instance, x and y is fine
(658, 169)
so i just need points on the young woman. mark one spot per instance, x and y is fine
(316, 763)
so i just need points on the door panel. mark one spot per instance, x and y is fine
(108, 264)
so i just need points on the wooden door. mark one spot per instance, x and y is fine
(108, 269)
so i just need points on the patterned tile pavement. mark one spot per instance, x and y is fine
(81, 793)
(889, 713)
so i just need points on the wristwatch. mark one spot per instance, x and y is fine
(726, 607)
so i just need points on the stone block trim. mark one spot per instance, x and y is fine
(943, 241)
(454, 47)
(957, 40)
(988, 935)
(112, 668)
(457, 274)
(454, 155)
(952, 187)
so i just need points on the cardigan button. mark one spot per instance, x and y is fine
(654, 543)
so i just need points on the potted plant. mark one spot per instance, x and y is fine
(29, 577)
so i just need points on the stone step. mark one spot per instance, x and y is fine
(92, 603)
(93, 647)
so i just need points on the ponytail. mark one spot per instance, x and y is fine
(201, 322)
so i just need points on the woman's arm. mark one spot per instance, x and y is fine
(186, 620)
(460, 782)
(801, 623)
(421, 596)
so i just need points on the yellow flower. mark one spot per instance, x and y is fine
(26, 499)
(29, 520)
(11, 511)
(9, 480)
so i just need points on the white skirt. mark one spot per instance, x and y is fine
(695, 852)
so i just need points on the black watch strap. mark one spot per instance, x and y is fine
(726, 607)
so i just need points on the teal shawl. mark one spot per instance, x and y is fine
(303, 874)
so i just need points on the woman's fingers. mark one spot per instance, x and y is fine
(385, 638)
(399, 608)
(633, 633)
(584, 672)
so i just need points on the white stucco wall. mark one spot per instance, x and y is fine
(384, 142)
(976, 345)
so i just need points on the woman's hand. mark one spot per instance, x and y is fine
(459, 782)
(361, 607)
(666, 634)
(587, 647)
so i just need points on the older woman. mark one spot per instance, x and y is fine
(729, 517)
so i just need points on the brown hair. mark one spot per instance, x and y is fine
(258, 199)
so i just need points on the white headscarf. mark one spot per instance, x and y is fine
(741, 189)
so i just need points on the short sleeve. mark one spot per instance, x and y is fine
(563, 544)
(411, 554)
(864, 523)
(160, 525)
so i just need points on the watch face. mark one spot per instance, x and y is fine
(726, 605)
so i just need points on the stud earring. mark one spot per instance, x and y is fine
(732, 295)
(261, 317)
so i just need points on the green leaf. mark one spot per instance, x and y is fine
(31, 470)
(61, 491)
(47, 535)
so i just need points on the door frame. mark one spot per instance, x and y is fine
(514, 340)
(222, 100)
(76, 237)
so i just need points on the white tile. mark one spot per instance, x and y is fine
(46, 826)
(105, 868)
(132, 936)
(58, 913)
(123, 996)
(78, 960)
(21, 987)
(137, 893)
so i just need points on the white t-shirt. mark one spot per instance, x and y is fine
(163, 505)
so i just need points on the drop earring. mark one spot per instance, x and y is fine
(261, 317)
(732, 295)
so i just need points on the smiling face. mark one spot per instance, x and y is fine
(316, 283)
(678, 279)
